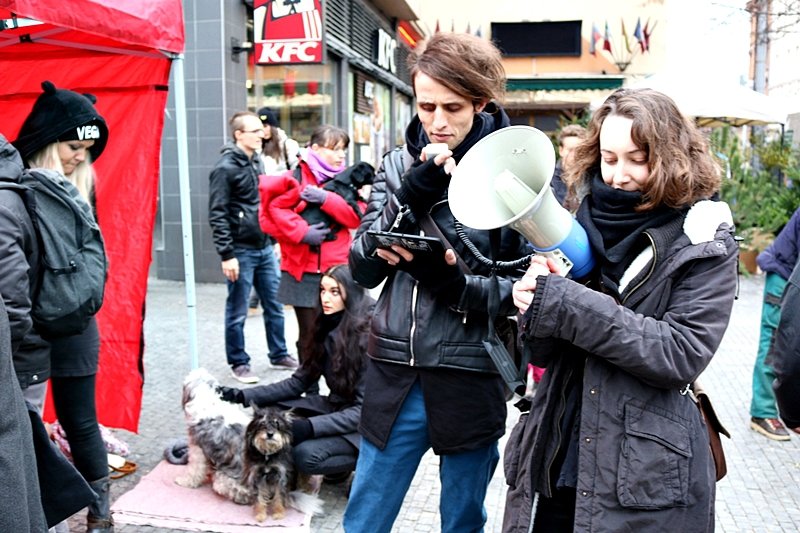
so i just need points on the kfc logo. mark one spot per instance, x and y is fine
(288, 31)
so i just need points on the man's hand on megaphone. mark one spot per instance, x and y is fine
(424, 184)
(522, 291)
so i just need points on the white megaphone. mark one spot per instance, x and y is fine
(504, 180)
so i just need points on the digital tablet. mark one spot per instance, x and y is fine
(413, 243)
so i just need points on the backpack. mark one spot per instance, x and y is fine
(69, 291)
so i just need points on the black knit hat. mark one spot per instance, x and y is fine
(268, 117)
(62, 115)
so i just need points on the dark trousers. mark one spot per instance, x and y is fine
(73, 398)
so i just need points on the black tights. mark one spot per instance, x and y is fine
(73, 398)
(305, 327)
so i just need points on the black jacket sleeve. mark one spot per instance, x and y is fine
(16, 234)
(784, 355)
(218, 204)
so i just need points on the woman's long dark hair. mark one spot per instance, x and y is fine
(346, 343)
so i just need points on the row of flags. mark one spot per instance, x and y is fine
(478, 32)
(642, 36)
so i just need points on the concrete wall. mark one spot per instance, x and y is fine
(215, 89)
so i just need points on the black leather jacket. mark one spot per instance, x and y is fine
(233, 202)
(410, 326)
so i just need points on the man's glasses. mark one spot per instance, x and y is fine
(260, 130)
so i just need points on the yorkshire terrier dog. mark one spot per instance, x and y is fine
(246, 458)
(269, 466)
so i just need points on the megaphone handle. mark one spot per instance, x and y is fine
(429, 226)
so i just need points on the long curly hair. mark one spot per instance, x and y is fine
(346, 344)
(682, 170)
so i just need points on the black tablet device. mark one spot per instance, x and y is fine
(413, 243)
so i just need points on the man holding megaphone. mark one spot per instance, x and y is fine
(430, 382)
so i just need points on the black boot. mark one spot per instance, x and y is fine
(98, 519)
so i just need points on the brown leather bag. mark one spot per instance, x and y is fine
(714, 427)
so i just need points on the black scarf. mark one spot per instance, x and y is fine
(328, 323)
(615, 228)
(491, 119)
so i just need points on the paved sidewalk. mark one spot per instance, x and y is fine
(759, 494)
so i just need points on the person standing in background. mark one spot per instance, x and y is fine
(569, 137)
(248, 258)
(777, 261)
(309, 247)
(784, 354)
(280, 152)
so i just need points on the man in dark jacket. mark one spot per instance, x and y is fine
(430, 383)
(20, 501)
(784, 355)
(20, 263)
(777, 261)
(248, 259)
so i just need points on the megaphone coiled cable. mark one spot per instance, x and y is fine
(499, 266)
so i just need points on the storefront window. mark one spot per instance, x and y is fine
(301, 95)
(402, 116)
(370, 123)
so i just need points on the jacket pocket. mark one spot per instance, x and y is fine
(513, 450)
(654, 460)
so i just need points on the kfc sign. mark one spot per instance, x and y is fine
(287, 31)
(386, 51)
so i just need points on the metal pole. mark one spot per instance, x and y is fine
(186, 208)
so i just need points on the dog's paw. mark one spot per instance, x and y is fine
(187, 481)
(260, 512)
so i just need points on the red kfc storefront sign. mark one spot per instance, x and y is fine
(288, 31)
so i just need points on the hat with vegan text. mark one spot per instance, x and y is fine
(62, 115)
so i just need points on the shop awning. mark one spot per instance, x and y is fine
(564, 83)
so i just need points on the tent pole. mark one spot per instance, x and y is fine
(186, 208)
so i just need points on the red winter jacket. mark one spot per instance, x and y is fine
(279, 216)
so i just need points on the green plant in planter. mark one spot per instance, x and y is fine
(761, 202)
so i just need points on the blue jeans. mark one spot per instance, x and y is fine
(259, 269)
(383, 476)
(763, 403)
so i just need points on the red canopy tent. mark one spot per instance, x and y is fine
(120, 51)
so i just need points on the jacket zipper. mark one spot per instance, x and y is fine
(558, 434)
(650, 273)
(414, 296)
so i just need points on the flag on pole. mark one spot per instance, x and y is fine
(638, 33)
(607, 40)
(625, 37)
(468, 28)
(478, 32)
(452, 26)
(647, 32)
(437, 27)
(593, 41)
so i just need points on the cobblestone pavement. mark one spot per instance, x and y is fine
(759, 493)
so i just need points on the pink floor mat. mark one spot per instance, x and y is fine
(157, 501)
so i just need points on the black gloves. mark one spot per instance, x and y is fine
(423, 186)
(301, 430)
(231, 394)
(443, 280)
(315, 234)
